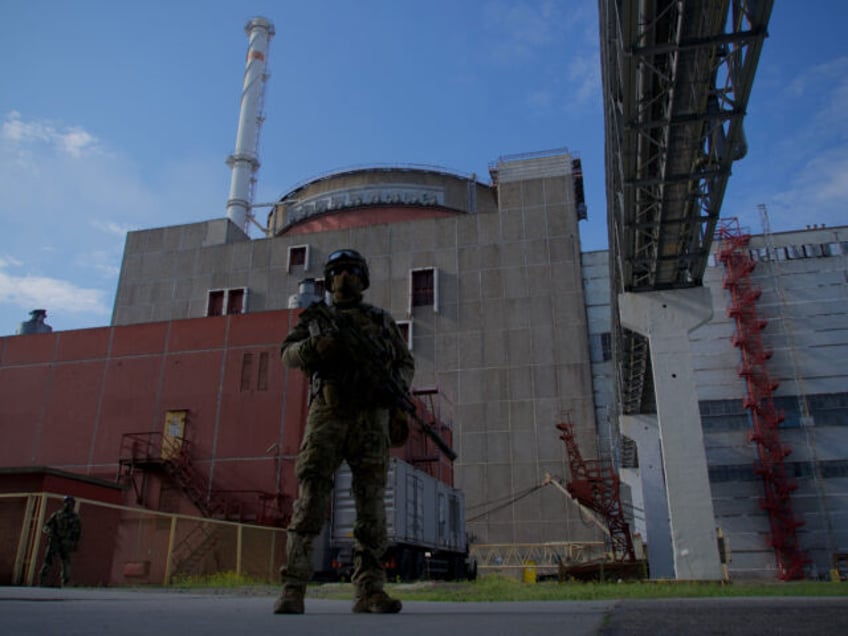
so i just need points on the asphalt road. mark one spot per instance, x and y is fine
(44, 611)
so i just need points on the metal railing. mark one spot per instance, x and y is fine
(122, 545)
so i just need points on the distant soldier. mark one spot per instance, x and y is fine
(63, 531)
(352, 351)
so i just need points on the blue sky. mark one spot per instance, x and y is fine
(117, 116)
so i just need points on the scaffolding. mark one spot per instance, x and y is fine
(734, 254)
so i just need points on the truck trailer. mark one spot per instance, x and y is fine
(425, 520)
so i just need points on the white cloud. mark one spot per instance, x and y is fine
(803, 160)
(584, 71)
(69, 198)
(73, 141)
(6, 260)
(28, 291)
(523, 30)
(76, 141)
(812, 79)
(111, 227)
(818, 192)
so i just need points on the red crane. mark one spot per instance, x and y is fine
(595, 485)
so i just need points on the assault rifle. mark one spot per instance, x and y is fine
(369, 355)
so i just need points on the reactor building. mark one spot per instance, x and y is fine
(509, 322)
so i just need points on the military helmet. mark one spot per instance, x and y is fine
(349, 258)
(69, 499)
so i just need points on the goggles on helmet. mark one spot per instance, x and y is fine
(350, 268)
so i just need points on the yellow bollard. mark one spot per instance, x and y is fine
(528, 575)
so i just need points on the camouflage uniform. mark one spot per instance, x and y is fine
(63, 530)
(347, 421)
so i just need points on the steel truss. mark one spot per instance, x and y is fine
(677, 75)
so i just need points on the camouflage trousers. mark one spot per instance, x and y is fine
(334, 434)
(55, 551)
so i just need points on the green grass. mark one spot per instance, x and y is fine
(219, 580)
(501, 588)
(498, 588)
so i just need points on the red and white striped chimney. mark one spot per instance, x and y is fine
(244, 162)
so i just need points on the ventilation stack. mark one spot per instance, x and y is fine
(35, 324)
(244, 162)
(765, 417)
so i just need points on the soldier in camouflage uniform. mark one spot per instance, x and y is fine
(348, 421)
(63, 531)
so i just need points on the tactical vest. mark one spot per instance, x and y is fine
(368, 342)
(64, 527)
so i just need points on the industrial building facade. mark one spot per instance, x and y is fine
(509, 324)
(797, 298)
(484, 279)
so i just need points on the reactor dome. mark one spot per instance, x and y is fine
(374, 195)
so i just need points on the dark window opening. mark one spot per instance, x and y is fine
(422, 287)
(297, 257)
(606, 346)
(235, 301)
(215, 306)
(246, 364)
(262, 382)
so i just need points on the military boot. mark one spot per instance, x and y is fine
(291, 600)
(376, 603)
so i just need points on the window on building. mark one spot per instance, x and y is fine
(424, 288)
(226, 301)
(262, 379)
(215, 304)
(600, 347)
(246, 366)
(247, 373)
(606, 346)
(832, 249)
(298, 258)
(236, 300)
(812, 251)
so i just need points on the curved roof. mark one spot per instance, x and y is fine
(374, 194)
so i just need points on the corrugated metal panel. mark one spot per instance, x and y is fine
(534, 168)
(420, 510)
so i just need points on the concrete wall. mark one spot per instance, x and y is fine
(507, 345)
(596, 282)
(804, 296)
(67, 399)
(809, 312)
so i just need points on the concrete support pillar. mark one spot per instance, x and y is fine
(644, 430)
(666, 318)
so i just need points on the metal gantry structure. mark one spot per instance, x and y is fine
(677, 75)
(595, 484)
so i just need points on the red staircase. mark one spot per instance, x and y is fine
(596, 485)
(765, 417)
(153, 451)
